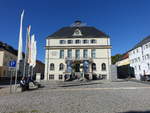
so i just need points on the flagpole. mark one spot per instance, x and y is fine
(29, 70)
(33, 54)
(17, 65)
(24, 70)
(27, 63)
(32, 72)
(19, 49)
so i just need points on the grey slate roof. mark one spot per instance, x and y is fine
(87, 32)
(4, 46)
(144, 41)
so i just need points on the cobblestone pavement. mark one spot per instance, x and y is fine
(80, 97)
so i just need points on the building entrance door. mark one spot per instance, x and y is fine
(77, 67)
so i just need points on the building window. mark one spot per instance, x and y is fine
(51, 76)
(77, 53)
(93, 66)
(61, 66)
(78, 41)
(60, 77)
(143, 57)
(103, 67)
(136, 60)
(61, 55)
(147, 56)
(85, 53)
(132, 61)
(85, 41)
(139, 67)
(69, 53)
(70, 41)
(146, 46)
(139, 59)
(52, 66)
(62, 41)
(148, 65)
(93, 53)
(93, 41)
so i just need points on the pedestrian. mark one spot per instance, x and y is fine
(22, 84)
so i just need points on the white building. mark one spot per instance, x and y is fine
(140, 58)
(77, 49)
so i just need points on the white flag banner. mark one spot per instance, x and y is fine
(28, 50)
(35, 53)
(20, 40)
(32, 50)
(19, 49)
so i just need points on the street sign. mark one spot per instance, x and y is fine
(12, 63)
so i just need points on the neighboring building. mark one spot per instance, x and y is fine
(5, 57)
(39, 68)
(123, 67)
(140, 58)
(124, 60)
(7, 54)
(77, 49)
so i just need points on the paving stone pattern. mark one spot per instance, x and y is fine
(79, 97)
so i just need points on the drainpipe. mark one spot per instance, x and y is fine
(108, 63)
(47, 60)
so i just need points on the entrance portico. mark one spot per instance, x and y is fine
(79, 67)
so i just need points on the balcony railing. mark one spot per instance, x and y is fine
(79, 59)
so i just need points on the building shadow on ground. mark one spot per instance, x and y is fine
(36, 88)
(135, 112)
(122, 80)
(3, 83)
(80, 84)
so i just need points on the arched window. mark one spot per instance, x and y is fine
(93, 66)
(61, 66)
(52, 66)
(103, 67)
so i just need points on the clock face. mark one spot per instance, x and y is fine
(77, 32)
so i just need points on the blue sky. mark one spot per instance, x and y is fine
(126, 21)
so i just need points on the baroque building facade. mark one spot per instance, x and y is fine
(77, 49)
